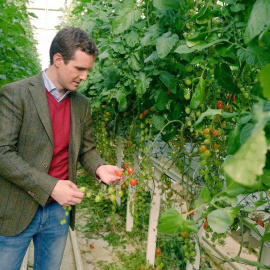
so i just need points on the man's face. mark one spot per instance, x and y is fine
(71, 74)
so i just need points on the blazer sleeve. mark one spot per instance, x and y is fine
(13, 167)
(89, 158)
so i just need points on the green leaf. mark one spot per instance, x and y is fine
(249, 209)
(197, 60)
(176, 109)
(232, 2)
(151, 35)
(153, 57)
(165, 43)
(266, 237)
(249, 160)
(169, 4)
(205, 195)
(259, 203)
(246, 132)
(122, 101)
(232, 212)
(259, 19)
(132, 38)
(234, 139)
(127, 17)
(219, 220)
(169, 81)
(142, 85)
(184, 49)
(265, 178)
(172, 222)
(265, 81)
(238, 7)
(199, 94)
(223, 75)
(158, 121)
(255, 55)
(162, 100)
(208, 113)
(235, 189)
(133, 63)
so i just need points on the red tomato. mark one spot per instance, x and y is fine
(184, 234)
(158, 251)
(231, 97)
(220, 105)
(126, 164)
(168, 92)
(215, 133)
(119, 173)
(260, 222)
(130, 170)
(133, 182)
(205, 225)
(146, 112)
(91, 246)
(206, 131)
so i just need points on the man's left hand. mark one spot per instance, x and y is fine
(108, 175)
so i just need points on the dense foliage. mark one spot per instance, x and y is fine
(196, 74)
(18, 54)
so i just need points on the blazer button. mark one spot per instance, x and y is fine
(45, 165)
(31, 193)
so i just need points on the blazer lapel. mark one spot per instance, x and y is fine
(37, 90)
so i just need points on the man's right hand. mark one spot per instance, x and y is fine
(67, 193)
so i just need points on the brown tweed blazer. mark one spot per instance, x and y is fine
(26, 149)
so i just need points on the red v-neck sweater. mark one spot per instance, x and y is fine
(60, 118)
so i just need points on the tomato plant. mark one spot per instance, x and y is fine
(191, 75)
(17, 42)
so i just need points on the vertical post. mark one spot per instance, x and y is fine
(119, 157)
(130, 203)
(153, 218)
(196, 264)
(265, 259)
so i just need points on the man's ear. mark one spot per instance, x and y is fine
(57, 59)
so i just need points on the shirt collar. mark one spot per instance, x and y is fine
(51, 87)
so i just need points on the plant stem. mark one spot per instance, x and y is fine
(242, 237)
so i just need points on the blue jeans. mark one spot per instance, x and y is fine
(49, 238)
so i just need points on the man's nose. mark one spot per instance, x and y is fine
(83, 75)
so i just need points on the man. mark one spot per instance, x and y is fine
(45, 129)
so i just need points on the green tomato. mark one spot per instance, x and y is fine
(110, 190)
(187, 110)
(120, 193)
(88, 194)
(98, 198)
(82, 189)
(207, 153)
(203, 163)
(187, 96)
(113, 198)
(188, 82)
(207, 142)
